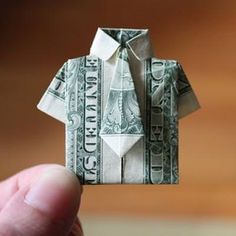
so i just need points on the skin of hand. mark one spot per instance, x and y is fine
(42, 200)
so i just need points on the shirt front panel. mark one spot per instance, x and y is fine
(153, 159)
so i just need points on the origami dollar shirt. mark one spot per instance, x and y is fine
(77, 96)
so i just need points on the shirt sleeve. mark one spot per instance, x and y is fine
(187, 99)
(53, 100)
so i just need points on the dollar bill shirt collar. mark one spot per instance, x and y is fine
(104, 45)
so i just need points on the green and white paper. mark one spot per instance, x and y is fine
(78, 95)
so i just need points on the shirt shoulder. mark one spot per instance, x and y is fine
(159, 67)
(88, 57)
(169, 63)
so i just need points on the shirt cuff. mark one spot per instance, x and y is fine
(52, 106)
(187, 103)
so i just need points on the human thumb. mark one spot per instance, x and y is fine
(48, 206)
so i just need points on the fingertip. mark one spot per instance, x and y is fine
(56, 192)
(46, 202)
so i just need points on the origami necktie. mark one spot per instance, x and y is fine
(121, 126)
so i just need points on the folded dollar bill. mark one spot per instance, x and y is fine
(78, 95)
